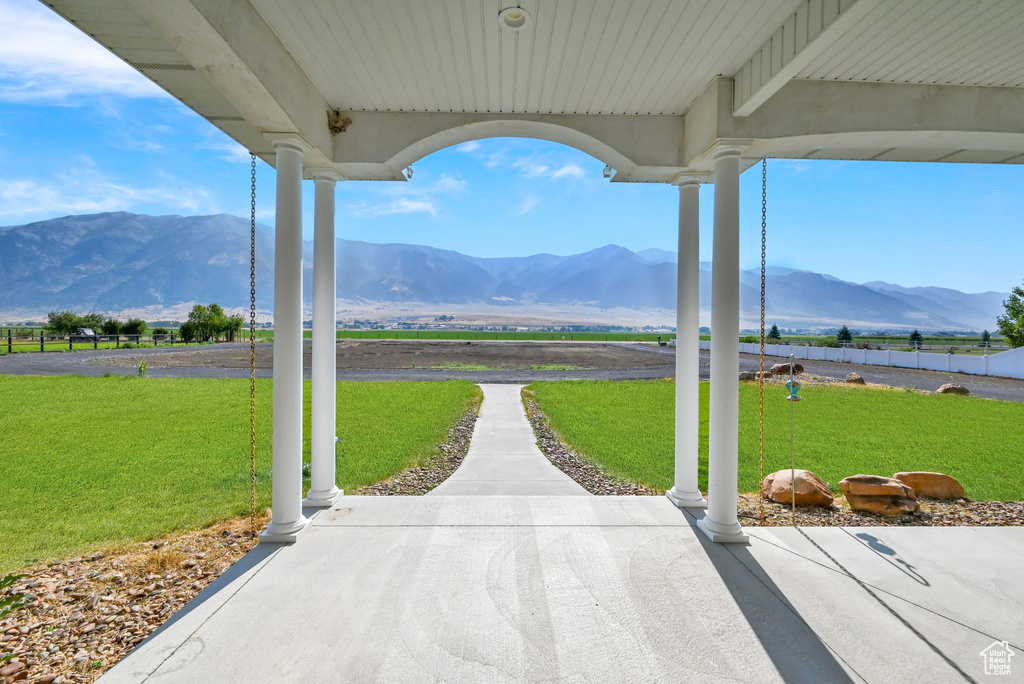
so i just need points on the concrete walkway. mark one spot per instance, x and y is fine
(503, 457)
(592, 589)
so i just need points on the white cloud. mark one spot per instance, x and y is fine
(530, 167)
(88, 191)
(468, 147)
(400, 205)
(410, 197)
(568, 171)
(229, 151)
(43, 58)
(528, 203)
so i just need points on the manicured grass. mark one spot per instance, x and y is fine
(627, 427)
(93, 462)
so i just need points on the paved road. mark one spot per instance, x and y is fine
(81, 362)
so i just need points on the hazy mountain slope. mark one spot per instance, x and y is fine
(116, 261)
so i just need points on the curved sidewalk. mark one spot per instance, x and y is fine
(503, 457)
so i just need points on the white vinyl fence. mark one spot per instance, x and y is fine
(1007, 364)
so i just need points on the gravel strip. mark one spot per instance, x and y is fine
(438, 467)
(588, 475)
(82, 615)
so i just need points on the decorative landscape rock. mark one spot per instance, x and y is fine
(747, 375)
(879, 495)
(811, 490)
(932, 485)
(767, 375)
(950, 388)
(855, 379)
(783, 369)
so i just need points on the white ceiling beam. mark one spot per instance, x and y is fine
(797, 43)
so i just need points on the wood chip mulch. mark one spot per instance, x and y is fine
(588, 475)
(82, 615)
(438, 467)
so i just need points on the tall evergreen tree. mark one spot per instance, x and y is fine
(774, 333)
(916, 338)
(844, 335)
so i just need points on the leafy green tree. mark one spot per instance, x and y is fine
(916, 339)
(844, 335)
(1011, 325)
(91, 320)
(135, 326)
(774, 333)
(61, 322)
(233, 328)
(111, 326)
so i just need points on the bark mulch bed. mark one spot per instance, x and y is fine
(962, 512)
(438, 467)
(588, 475)
(82, 615)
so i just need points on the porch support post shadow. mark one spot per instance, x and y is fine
(721, 523)
(287, 522)
(686, 493)
(323, 491)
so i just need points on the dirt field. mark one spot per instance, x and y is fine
(445, 354)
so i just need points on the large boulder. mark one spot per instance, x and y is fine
(932, 485)
(783, 369)
(950, 388)
(748, 375)
(811, 490)
(854, 379)
(878, 495)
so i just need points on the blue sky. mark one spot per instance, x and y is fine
(81, 132)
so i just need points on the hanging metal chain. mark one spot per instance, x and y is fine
(252, 348)
(760, 376)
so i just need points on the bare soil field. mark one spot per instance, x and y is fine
(420, 354)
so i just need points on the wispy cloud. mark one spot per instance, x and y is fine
(86, 190)
(531, 167)
(410, 198)
(400, 205)
(528, 203)
(228, 150)
(468, 147)
(45, 59)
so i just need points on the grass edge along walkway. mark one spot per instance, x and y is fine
(91, 463)
(627, 428)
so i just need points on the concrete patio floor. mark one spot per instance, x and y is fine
(592, 589)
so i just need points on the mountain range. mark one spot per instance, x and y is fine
(120, 261)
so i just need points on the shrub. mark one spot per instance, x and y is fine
(828, 343)
(161, 331)
(111, 326)
(134, 326)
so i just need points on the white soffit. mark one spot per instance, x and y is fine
(941, 42)
(576, 56)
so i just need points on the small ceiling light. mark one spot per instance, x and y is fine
(607, 173)
(408, 173)
(513, 18)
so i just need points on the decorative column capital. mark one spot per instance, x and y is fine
(690, 178)
(289, 140)
(729, 147)
(324, 175)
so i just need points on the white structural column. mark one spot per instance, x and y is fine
(721, 522)
(323, 490)
(686, 493)
(287, 522)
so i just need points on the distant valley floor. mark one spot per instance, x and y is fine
(509, 361)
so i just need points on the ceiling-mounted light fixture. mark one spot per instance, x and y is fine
(513, 18)
(408, 173)
(608, 170)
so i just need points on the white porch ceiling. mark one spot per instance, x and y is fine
(940, 42)
(577, 57)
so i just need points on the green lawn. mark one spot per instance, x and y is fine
(92, 462)
(627, 427)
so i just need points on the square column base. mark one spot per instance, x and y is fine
(722, 534)
(279, 534)
(322, 499)
(686, 499)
